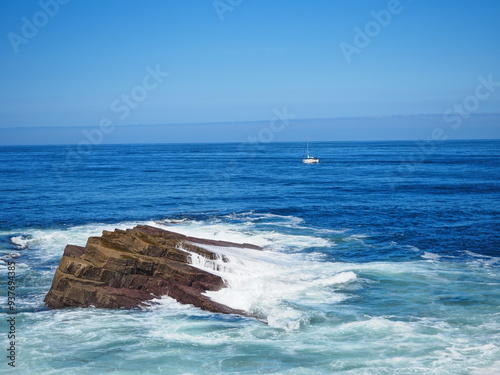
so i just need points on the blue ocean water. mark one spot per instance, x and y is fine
(382, 259)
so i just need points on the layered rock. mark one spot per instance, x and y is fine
(125, 268)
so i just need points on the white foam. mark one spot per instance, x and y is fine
(279, 284)
(21, 242)
(412, 248)
(269, 284)
(168, 306)
(291, 290)
(246, 233)
(252, 217)
(485, 260)
(50, 243)
(494, 369)
(358, 238)
(431, 256)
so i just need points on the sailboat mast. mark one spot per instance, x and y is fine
(309, 159)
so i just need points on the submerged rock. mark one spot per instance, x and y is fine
(125, 268)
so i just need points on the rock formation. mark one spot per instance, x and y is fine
(125, 268)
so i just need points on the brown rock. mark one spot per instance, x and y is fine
(124, 269)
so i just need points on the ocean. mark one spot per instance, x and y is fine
(384, 258)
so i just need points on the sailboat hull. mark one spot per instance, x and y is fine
(310, 159)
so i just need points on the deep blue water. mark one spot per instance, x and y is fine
(447, 203)
(415, 246)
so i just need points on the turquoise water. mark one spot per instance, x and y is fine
(371, 264)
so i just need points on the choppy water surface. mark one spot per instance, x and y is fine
(370, 265)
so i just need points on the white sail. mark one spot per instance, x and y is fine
(309, 159)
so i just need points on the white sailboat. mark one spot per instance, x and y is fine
(309, 159)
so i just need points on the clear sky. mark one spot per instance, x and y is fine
(74, 63)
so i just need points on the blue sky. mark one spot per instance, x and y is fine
(243, 61)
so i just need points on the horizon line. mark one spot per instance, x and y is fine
(251, 121)
(269, 143)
